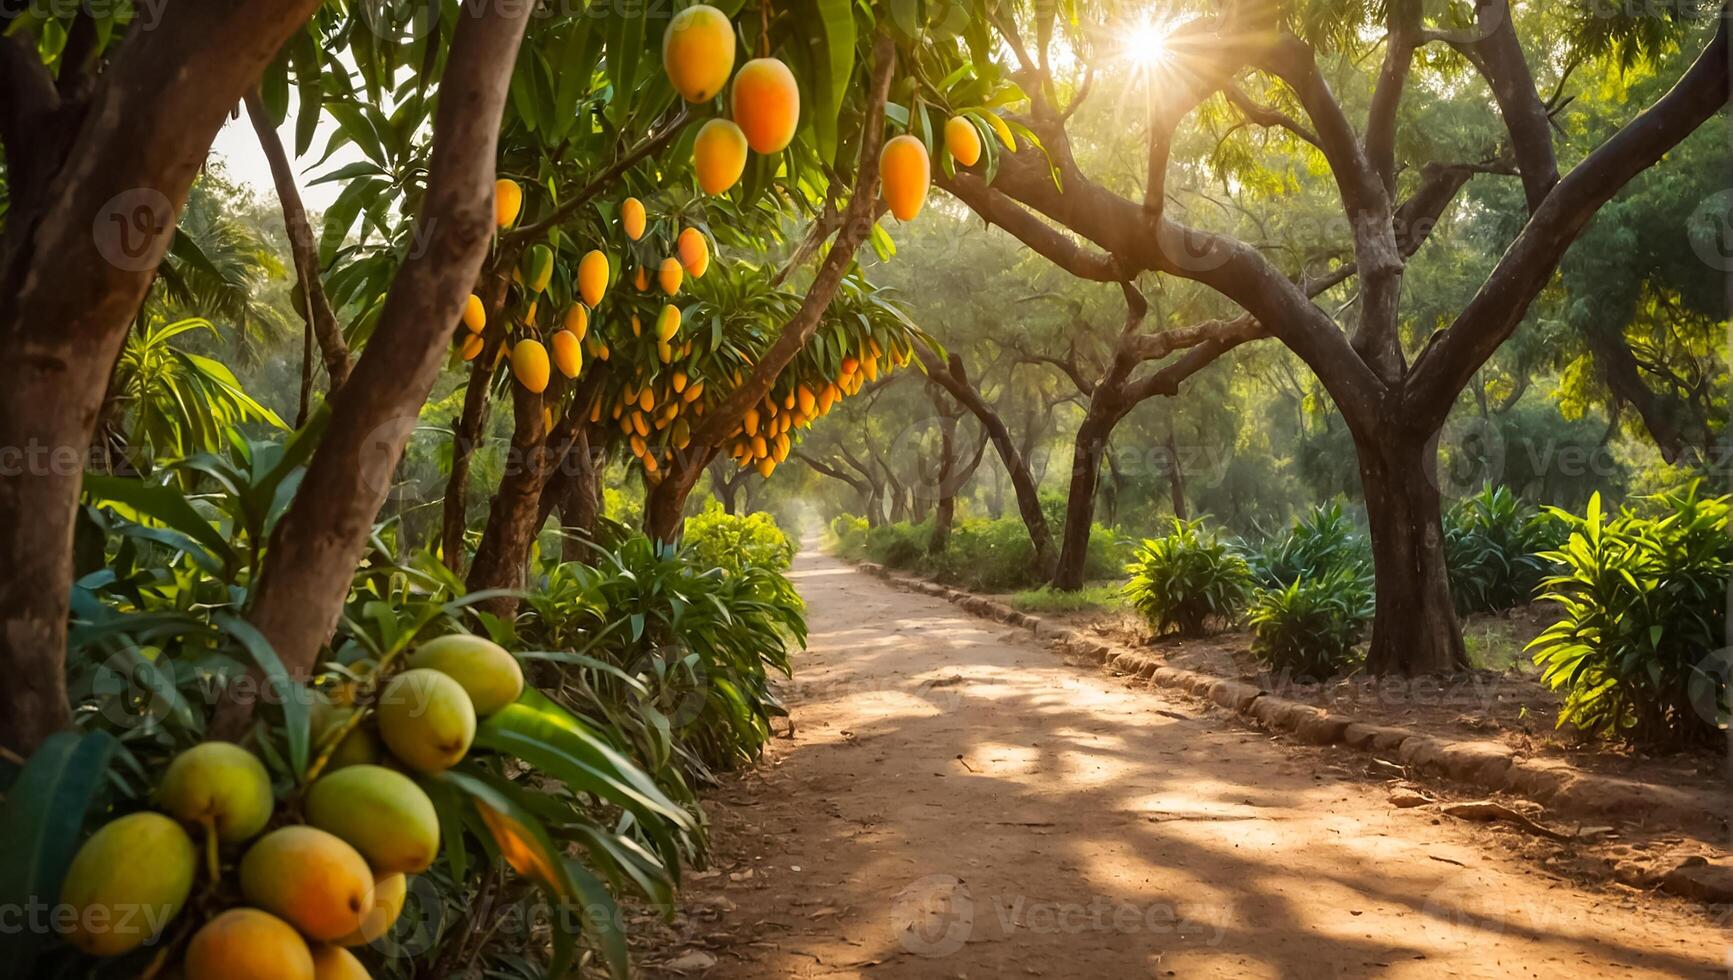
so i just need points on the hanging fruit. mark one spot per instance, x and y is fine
(508, 200)
(667, 323)
(906, 174)
(719, 156)
(668, 276)
(632, 217)
(577, 321)
(540, 265)
(568, 353)
(474, 314)
(529, 363)
(694, 252)
(962, 141)
(592, 277)
(766, 104)
(698, 52)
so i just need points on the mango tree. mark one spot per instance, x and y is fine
(1273, 67)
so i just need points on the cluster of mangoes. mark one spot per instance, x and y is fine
(289, 886)
(698, 54)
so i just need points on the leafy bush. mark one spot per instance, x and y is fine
(848, 536)
(1184, 580)
(898, 545)
(1318, 544)
(1644, 603)
(717, 539)
(697, 643)
(649, 672)
(1310, 627)
(983, 555)
(1492, 544)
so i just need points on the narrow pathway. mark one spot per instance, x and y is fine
(959, 802)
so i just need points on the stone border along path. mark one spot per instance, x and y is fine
(1480, 764)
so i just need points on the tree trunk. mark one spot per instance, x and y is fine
(580, 500)
(665, 506)
(94, 186)
(1414, 628)
(314, 549)
(1080, 503)
(315, 307)
(512, 519)
(1175, 476)
(945, 510)
(466, 434)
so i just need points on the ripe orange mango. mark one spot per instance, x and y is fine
(474, 314)
(698, 52)
(694, 252)
(719, 156)
(962, 141)
(337, 963)
(578, 321)
(248, 943)
(766, 104)
(389, 892)
(632, 218)
(592, 277)
(669, 274)
(508, 200)
(906, 174)
(529, 363)
(568, 353)
(309, 877)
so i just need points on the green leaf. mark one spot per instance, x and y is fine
(290, 692)
(41, 823)
(164, 504)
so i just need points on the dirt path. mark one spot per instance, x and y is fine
(959, 802)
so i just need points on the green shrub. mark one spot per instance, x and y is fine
(1318, 544)
(1644, 603)
(1310, 627)
(1492, 544)
(593, 774)
(848, 536)
(717, 539)
(1184, 580)
(897, 545)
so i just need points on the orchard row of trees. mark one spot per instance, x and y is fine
(1356, 197)
(1296, 163)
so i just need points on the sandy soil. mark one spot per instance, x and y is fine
(958, 802)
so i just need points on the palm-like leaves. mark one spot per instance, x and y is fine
(177, 403)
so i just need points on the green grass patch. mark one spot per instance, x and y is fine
(1101, 597)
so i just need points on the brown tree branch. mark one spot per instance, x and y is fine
(667, 500)
(316, 307)
(1446, 366)
(315, 546)
(1262, 115)
(93, 190)
(653, 143)
(1496, 53)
